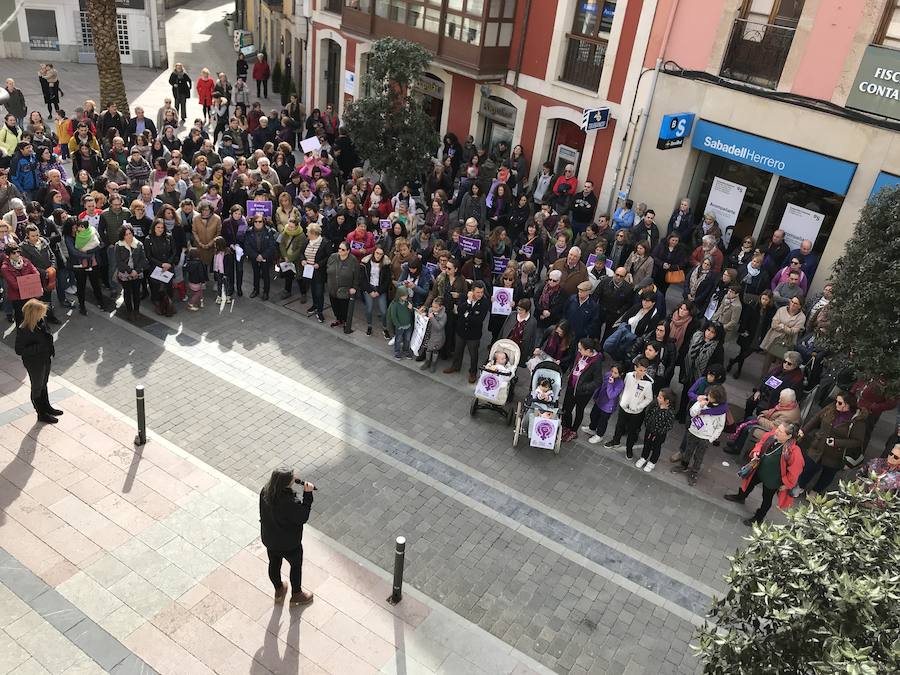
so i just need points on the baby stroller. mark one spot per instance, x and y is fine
(527, 410)
(496, 387)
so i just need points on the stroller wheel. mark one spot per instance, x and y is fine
(474, 407)
(517, 430)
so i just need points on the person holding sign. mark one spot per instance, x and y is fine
(503, 302)
(521, 327)
(314, 255)
(292, 240)
(130, 265)
(163, 256)
(23, 281)
(360, 242)
(38, 250)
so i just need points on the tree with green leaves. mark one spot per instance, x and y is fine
(387, 127)
(820, 594)
(864, 314)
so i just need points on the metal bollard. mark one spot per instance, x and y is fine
(399, 557)
(141, 437)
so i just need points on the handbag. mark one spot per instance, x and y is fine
(748, 468)
(51, 278)
(675, 277)
(781, 347)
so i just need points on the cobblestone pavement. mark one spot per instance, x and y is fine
(123, 560)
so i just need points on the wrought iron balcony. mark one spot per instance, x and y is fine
(584, 62)
(756, 52)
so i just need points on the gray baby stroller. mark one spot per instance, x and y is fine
(541, 416)
(496, 384)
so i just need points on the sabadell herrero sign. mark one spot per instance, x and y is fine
(877, 85)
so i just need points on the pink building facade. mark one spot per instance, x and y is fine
(770, 114)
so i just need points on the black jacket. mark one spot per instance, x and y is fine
(590, 378)
(34, 346)
(470, 319)
(384, 277)
(159, 250)
(281, 523)
(647, 323)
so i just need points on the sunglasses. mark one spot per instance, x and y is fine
(894, 455)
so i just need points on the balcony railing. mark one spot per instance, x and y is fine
(756, 53)
(335, 6)
(584, 62)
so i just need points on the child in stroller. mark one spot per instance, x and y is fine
(543, 399)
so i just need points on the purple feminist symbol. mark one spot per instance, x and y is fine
(490, 383)
(544, 430)
(502, 298)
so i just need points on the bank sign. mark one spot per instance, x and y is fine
(803, 165)
(877, 86)
(674, 130)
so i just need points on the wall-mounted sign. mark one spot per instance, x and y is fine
(498, 110)
(429, 87)
(724, 201)
(350, 82)
(800, 223)
(877, 86)
(595, 118)
(803, 165)
(674, 130)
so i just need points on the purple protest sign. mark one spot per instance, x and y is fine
(501, 301)
(385, 224)
(592, 258)
(255, 207)
(526, 250)
(470, 245)
(433, 268)
(543, 432)
(500, 265)
(488, 386)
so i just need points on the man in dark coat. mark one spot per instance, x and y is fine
(471, 311)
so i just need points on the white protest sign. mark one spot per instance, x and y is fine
(160, 275)
(418, 334)
(287, 266)
(543, 432)
(310, 144)
(799, 223)
(488, 385)
(724, 201)
(502, 301)
(308, 271)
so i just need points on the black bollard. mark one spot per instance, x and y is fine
(141, 437)
(399, 557)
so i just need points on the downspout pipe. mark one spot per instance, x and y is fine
(521, 51)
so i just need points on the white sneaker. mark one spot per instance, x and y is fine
(391, 342)
(586, 429)
(640, 463)
(648, 467)
(595, 439)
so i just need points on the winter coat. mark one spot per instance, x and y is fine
(42, 257)
(571, 277)
(321, 258)
(281, 523)
(265, 247)
(848, 436)
(204, 90)
(638, 269)
(728, 313)
(697, 363)
(34, 346)
(133, 260)
(472, 207)
(590, 377)
(261, 70)
(613, 300)
(181, 86)
(159, 250)
(712, 425)
(791, 468)
(582, 317)
(470, 318)
(290, 246)
(342, 276)
(437, 324)
(204, 233)
(785, 329)
(636, 394)
(10, 275)
(529, 334)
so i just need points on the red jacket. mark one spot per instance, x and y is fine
(384, 207)
(870, 396)
(10, 273)
(261, 70)
(205, 90)
(791, 467)
(368, 244)
(573, 183)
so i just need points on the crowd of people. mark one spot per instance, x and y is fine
(159, 208)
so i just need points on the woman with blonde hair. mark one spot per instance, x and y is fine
(34, 344)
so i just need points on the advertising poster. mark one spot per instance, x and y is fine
(725, 199)
(799, 223)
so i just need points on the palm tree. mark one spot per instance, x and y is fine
(106, 48)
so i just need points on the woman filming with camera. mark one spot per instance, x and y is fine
(284, 504)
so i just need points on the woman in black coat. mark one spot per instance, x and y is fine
(282, 514)
(581, 381)
(35, 345)
(160, 251)
(668, 256)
